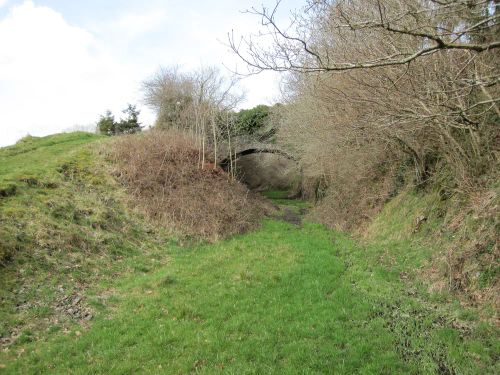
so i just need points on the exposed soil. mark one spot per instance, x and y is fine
(291, 215)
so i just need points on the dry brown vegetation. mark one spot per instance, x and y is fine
(161, 169)
(383, 93)
(384, 97)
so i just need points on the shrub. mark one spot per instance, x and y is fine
(248, 121)
(107, 124)
(161, 169)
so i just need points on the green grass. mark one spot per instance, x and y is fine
(457, 240)
(63, 229)
(284, 299)
(281, 197)
(36, 156)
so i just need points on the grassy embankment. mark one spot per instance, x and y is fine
(64, 228)
(283, 299)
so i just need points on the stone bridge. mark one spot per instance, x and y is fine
(242, 146)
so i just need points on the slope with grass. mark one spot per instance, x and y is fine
(64, 228)
(286, 298)
(459, 236)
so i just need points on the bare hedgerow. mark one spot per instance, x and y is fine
(161, 170)
(385, 88)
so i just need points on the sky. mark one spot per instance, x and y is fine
(64, 63)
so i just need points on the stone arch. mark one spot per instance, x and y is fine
(224, 163)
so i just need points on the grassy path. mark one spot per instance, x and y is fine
(285, 299)
(282, 300)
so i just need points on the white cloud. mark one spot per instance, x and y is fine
(37, 39)
(53, 74)
(3, 3)
(138, 24)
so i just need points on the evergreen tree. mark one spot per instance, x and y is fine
(106, 124)
(130, 124)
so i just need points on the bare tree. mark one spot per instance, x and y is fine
(413, 29)
(374, 86)
(196, 103)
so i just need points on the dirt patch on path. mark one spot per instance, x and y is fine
(290, 215)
